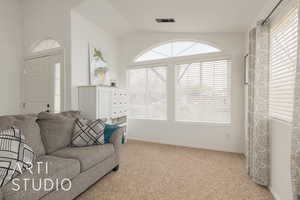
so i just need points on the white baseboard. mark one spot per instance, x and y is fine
(180, 145)
(274, 195)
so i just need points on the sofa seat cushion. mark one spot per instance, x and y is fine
(88, 156)
(58, 169)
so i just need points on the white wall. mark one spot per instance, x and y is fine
(52, 18)
(10, 55)
(210, 136)
(84, 32)
(280, 160)
(280, 131)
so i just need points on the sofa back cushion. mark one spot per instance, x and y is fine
(30, 129)
(56, 129)
(72, 114)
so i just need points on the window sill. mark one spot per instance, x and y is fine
(193, 123)
(160, 120)
(282, 121)
(221, 124)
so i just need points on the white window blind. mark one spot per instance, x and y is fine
(203, 91)
(283, 59)
(147, 93)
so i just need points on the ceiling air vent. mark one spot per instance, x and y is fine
(165, 20)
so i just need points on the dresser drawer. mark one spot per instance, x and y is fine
(119, 111)
(119, 97)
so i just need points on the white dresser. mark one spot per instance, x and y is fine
(98, 102)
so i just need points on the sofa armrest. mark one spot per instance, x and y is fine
(116, 139)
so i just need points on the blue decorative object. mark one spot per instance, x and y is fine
(108, 131)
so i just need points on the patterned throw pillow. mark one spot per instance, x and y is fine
(15, 155)
(88, 133)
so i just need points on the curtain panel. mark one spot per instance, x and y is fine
(257, 138)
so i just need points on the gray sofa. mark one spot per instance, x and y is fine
(82, 165)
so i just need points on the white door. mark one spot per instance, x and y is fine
(42, 84)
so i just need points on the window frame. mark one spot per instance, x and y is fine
(148, 67)
(38, 44)
(170, 64)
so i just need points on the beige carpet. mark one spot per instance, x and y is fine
(161, 172)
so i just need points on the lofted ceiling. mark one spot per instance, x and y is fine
(123, 16)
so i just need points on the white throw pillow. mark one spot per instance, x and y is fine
(15, 155)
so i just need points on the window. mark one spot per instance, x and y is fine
(147, 93)
(46, 45)
(199, 90)
(283, 59)
(176, 49)
(203, 91)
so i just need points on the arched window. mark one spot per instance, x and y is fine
(202, 86)
(46, 45)
(176, 49)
